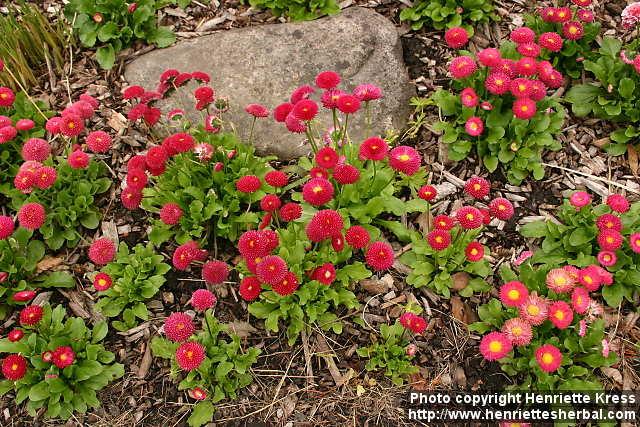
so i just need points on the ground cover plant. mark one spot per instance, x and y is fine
(113, 25)
(298, 10)
(585, 233)
(441, 14)
(499, 106)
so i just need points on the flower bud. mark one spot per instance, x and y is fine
(132, 7)
(97, 17)
(411, 350)
(3, 276)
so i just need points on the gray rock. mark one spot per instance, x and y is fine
(264, 64)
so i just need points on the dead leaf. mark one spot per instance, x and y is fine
(48, 263)
(457, 309)
(612, 373)
(327, 354)
(242, 329)
(374, 286)
(633, 159)
(117, 122)
(145, 364)
(425, 222)
(460, 281)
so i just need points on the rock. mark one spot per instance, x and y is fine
(264, 64)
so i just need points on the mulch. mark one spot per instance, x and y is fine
(321, 381)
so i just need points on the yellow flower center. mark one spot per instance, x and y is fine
(560, 280)
(102, 282)
(404, 157)
(547, 358)
(524, 108)
(474, 251)
(559, 315)
(317, 189)
(513, 294)
(517, 331)
(533, 309)
(495, 346)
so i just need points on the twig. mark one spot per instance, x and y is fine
(616, 184)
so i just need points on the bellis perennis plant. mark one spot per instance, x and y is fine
(501, 109)
(607, 235)
(450, 256)
(19, 277)
(211, 367)
(441, 14)
(393, 350)
(566, 33)
(127, 281)
(56, 363)
(550, 329)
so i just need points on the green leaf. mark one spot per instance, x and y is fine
(202, 413)
(58, 279)
(39, 391)
(99, 332)
(626, 87)
(534, 229)
(90, 220)
(106, 56)
(108, 31)
(162, 37)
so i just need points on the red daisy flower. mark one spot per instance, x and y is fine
(31, 216)
(590, 277)
(63, 356)
(497, 83)
(305, 110)
(253, 244)
(281, 112)
(456, 37)
(190, 355)
(413, 322)
(99, 141)
(102, 282)
(443, 222)
(286, 286)
(270, 203)
(580, 300)
(551, 41)
(534, 310)
(271, 270)
(71, 125)
(102, 251)
(523, 35)
(610, 240)
(427, 192)
(203, 299)
(248, 184)
(290, 211)
(324, 225)
(131, 198)
(215, 272)
(573, 30)
(609, 222)
(6, 97)
(317, 191)
(474, 251)
(327, 158)
(524, 108)
(327, 80)
(324, 274)
(36, 149)
(136, 179)
(348, 104)
(23, 296)
(527, 66)
(14, 367)
(477, 187)
(439, 239)
(462, 67)
(357, 237)
(346, 174)
(469, 98)
(374, 148)
(337, 242)
(300, 93)
(634, 242)
(549, 358)
(560, 314)
(618, 203)
(156, 157)
(513, 294)
(179, 327)
(276, 179)
(404, 159)
(469, 217)
(330, 98)
(517, 331)
(197, 393)
(15, 335)
(78, 159)
(607, 258)
(367, 92)
(379, 256)
(31, 315)
(132, 92)
(317, 172)
(6, 226)
(474, 126)
(170, 213)
(501, 208)
(250, 288)
(495, 346)
(489, 57)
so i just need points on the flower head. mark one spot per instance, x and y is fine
(327, 80)
(198, 393)
(469, 217)
(513, 294)
(580, 300)
(617, 202)
(170, 213)
(474, 126)
(477, 187)
(580, 199)
(413, 322)
(215, 272)
(71, 125)
(281, 112)
(524, 108)
(286, 286)
(560, 314)
(190, 355)
(31, 315)
(248, 184)
(469, 98)
(276, 179)
(253, 244)
(610, 240)
(560, 281)
(6, 226)
(497, 83)
(551, 41)
(326, 158)
(14, 367)
(443, 222)
(357, 237)
(367, 92)
(523, 35)
(609, 222)
(427, 192)
(474, 251)
(102, 251)
(6, 97)
(250, 288)
(534, 310)
(573, 30)
(462, 66)
(631, 15)
(634, 242)
(99, 141)
(36, 149)
(348, 104)
(404, 159)
(607, 258)
(548, 357)
(317, 191)
(379, 256)
(203, 299)
(270, 203)
(102, 282)
(31, 216)
(501, 208)
(346, 174)
(517, 331)
(271, 270)
(324, 225)
(489, 57)
(305, 110)
(495, 346)
(290, 211)
(324, 274)
(456, 37)
(63, 356)
(179, 327)
(439, 239)
(257, 110)
(374, 148)
(590, 277)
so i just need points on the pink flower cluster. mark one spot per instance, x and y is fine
(571, 286)
(467, 217)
